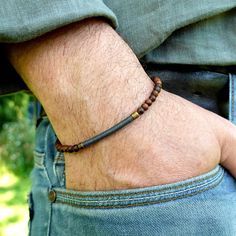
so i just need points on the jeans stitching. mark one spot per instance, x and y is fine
(142, 203)
(147, 191)
(194, 188)
(214, 182)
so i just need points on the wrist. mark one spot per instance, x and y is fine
(89, 76)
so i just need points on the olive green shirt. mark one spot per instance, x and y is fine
(195, 32)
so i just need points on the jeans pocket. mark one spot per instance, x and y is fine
(140, 196)
(203, 205)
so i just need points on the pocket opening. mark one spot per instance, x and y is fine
(140, 196)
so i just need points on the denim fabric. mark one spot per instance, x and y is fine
(203, 205)
(232, 98)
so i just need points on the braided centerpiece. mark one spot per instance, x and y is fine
(144, 107)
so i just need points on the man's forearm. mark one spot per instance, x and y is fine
(85, 76)
(88, 79)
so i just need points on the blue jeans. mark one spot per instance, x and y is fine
(203, 205)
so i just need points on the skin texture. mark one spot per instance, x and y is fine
(88, 79)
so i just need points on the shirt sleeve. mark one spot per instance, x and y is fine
(23, 20)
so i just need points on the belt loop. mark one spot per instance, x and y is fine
(232, 98)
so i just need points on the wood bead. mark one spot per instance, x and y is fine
(152, 98)
(149, 102)
(155, 93)
(145, 106)
(140, 110)
(157, 88)
(156, 80)
(75, 148)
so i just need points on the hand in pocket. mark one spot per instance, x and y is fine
(175, 140)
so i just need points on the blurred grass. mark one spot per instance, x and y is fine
(13, 203)
(17, 117)
(16, 146)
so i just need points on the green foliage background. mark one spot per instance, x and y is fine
(16, 133)
(13, 107)
(17, 130)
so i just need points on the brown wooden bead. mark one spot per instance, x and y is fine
(152, 98)
(75, 148)
(145, 106)
(140, 110)
(155, 93)
(157, 88)
(156, 80)
(149, 102)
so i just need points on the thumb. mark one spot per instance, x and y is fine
(228, 154)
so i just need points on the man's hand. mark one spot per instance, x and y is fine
(88, 79)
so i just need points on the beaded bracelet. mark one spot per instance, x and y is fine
(144, 107)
